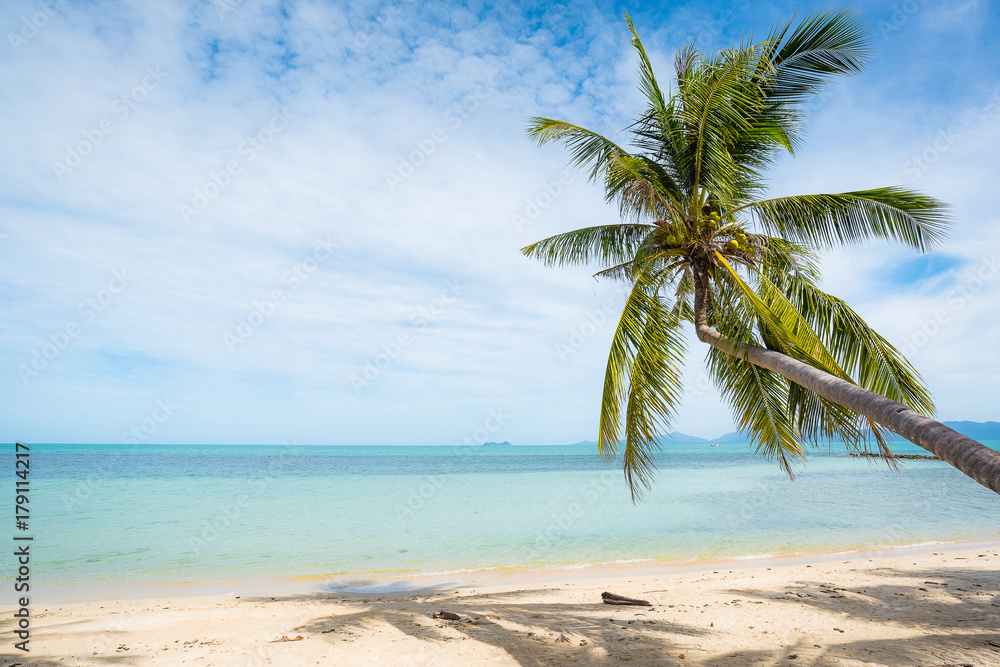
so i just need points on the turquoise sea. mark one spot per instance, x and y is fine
(110, 519)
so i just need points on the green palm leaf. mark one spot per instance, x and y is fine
(647, 80)
(821, 47)
(892, 213)
(759, 399)
(786, 326)
(607, 244)
(643, 377)
(743, 270)
(862, 351)
(587, 148)
(642, 188)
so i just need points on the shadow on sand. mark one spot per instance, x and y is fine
(954, 615)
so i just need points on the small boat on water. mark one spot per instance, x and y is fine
(714, 444)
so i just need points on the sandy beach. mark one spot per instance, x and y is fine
(933, 605)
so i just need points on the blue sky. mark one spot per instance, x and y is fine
(244, 222)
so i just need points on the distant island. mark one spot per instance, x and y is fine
(976, 430)
(497, 444)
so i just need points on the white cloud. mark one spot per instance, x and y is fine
(365, 87)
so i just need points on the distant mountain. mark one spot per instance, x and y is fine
(682, 438)
(497, 444)
(977, 430)
(588, 443)
(974, 430)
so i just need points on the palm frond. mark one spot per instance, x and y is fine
(759, 399)
(829, 220)
(666, 262)
(643, 376)
(779, 258)
(647, 80)
(782, 327)
(826, 333)
(706, 144)
(782, 323)
(819, 420)
(587, 149)
(794, 65)
(718, 103)
(606, 244)
(820, 47)
(863, 353)
(642, 188)
(662, 138)
(685, 61)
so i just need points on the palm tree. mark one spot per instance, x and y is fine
(698, 244)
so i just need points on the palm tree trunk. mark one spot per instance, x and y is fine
(974, 459)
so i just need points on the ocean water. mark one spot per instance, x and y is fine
(109, 518)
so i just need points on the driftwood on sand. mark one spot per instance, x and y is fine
(611, 598)
(447, 615)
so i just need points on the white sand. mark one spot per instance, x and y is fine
(932, 606)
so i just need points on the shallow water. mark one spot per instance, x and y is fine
(108, 517)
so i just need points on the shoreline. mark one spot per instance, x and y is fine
(514, 576)
(899, 606)
(390, 583)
